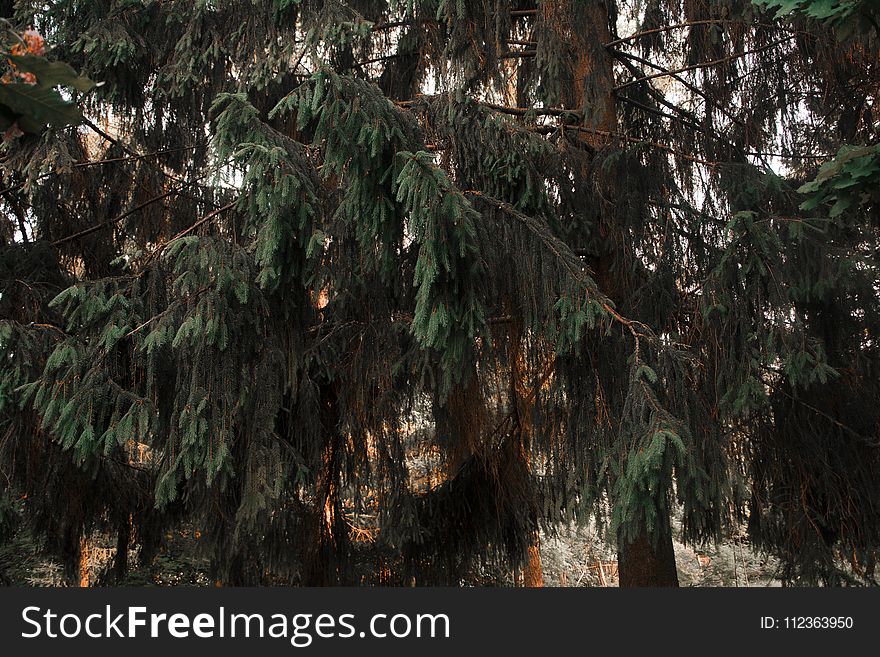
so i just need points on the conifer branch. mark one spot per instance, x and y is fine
(667, 28)
(534, 389)
(506, 109)
(514, 54)
(818, 411)
(557, 247)
(697, 23)
(694, 67)
(131, 152)
(391, 25)
(111, 222)
(622, 56)
(92, 163)
(653, 110)
(208, 217)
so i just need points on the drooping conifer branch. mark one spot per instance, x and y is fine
(694, 67)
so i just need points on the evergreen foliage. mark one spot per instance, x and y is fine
(374, 291)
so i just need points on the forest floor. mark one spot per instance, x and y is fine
(581, 557)
(573, 557)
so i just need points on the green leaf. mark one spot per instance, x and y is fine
(45, 106)
(51, 74)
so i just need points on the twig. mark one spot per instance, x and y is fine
(665, 28)
(92, 163)
(198, 223)
(694, 67)
(115, 220)
(669, 28)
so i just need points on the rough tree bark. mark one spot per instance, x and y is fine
(123, 540)
(533, 573)
(644, 562)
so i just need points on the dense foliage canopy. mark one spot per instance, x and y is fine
(376, 291)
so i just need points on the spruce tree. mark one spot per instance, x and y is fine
(375, 291)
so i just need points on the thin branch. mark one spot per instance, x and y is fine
(133, 153)
(623, 57)
(513, 54)
(299, 59)
(818, 411)
(115, 220)
(557, 247)
(690, 120)
(709, 21)
(665, 28)
(653, 110)
(49, 326)
(538, 111)
(628, 138)
(673, 74)
(375, 60)
(693, 67)
(379, 27)
(537, 384)
(149, 321)
(208, 217)
(92, 163)
(178, 302)
(506, 109)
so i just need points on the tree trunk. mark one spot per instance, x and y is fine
(329, 547)
(123, 540)
(643, 563)
(533, 573)
(589, 87)
(533, 576)
(85, 571)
